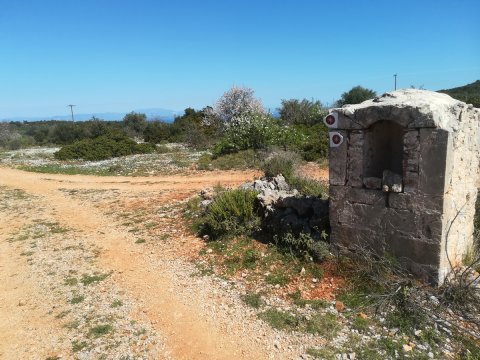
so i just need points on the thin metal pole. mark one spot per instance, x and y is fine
(395, 75)
(71, 109)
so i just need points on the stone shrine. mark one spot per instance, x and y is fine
(404, 172)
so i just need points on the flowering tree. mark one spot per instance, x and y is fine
(236, 106)
(246, 125)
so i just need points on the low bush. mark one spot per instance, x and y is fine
(252, 299)
(103, 147)
(245, 159)
(302, 245)
(309, 187)
(326, 325)
(285, 163)
(281, 162)
(314, 145)
(232, 213)
(280, 320)
(257, 132)
(252, 132)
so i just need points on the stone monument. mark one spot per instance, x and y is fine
(404, 172)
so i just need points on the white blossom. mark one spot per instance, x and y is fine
(236, 106)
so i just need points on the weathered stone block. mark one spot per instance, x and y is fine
(411, 141)
(336, 202)
(355, 160)
(421, 252)
(410, 182)
(429, 224)
(399, 221)
(354, 237)
(400, 201)
(337, 193)
(433, 155)
(372, 183)
(366, 196)
(338, 163)
(346, 123)
(411, 165)
(367, 216)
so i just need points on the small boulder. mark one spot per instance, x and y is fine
(281, 183)
(392, 180)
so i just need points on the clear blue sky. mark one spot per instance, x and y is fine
(119, 55)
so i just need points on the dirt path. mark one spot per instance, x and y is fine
(159, 287)
(22, 319)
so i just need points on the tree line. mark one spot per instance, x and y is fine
(237, 121)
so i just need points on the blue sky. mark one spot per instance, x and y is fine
(119, 55)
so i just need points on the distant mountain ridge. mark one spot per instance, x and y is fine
(152, 113)
(469, 93)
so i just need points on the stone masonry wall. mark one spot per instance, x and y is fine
(408, 224)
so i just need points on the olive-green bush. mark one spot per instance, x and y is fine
(303, 245)
(286, 163)
(232, 213)
(103, 147)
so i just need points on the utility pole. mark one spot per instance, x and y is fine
(71, 110)
(395, 76)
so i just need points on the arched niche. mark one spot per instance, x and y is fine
(383, 149)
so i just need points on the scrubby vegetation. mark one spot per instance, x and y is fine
(103, 147)
(237, 124)
(286, 163)
(355, 95)
(231, 213)
(468, 93)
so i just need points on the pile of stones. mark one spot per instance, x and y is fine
(285, 211)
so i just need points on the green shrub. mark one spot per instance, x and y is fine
(315, 144)
(257, 132)
(326, 325)
(282, 162)
(252, 299)
(103, 147)
(280, 320)
(285, 163)
(302, 245)
(278, 278)
(204, 162)
(254, 132)
(309, 187)
(232, 213)
(311, 142)
(100, 330)
(245, 159)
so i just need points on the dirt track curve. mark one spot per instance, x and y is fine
(161, 295)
